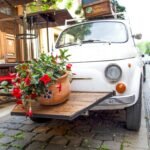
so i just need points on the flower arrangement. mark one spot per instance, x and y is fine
(34, 78)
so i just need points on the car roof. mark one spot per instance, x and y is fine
(101, 20)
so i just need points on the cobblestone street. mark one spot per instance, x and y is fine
(146, 95)
(104, 130)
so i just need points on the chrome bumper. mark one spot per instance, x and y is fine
(116, 102)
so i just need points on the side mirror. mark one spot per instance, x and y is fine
(137, 36)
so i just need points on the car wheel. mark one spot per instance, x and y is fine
(133, 114)
(144, 73)
(39, 120)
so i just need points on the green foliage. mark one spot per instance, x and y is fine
(31, 78)
(1, 135)
(69, 4)
(104, 147)
(144, 47)
(19, 136)
(4, 83)
(4, 146)
(5, 86)
(84, 30)
(79, 11)
(118, 8)
(122, 146)
(16, 146)
(43, 5)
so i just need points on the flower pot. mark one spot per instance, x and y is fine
(57, 93)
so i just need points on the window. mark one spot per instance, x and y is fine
(104, 31)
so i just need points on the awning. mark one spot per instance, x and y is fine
(52, 18)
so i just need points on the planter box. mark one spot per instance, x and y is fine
(93, 9)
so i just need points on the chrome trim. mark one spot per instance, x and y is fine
(106, 75)
(118, 100)
(93, 61)
(82, 78)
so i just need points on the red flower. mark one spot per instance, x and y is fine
(68, 67)
(16, 92)
(59, 87)
(27, 81)
(45, 79)
(33, 96)
(19, 102)
(29, 113)
(27, 97)
(17, 80)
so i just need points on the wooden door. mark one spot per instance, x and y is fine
(8, 42)
(1, 43)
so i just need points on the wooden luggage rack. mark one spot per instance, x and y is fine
(78, 104)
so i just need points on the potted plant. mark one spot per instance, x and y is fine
(44, 80)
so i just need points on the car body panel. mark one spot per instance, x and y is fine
(91, 59)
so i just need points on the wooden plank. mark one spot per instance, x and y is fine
(77, 104)
(97, 9)
(6, 99)
(55, 18)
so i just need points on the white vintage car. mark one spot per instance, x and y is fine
(105, 58)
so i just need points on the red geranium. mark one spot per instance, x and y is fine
(33, 95)
(33, 79)
(45, 79)
(68, 67)
(16, 92)
(29, 112)
(19, 102)
(27, 81)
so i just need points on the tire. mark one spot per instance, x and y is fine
(133, 113)
(39, 120)
(144, 73)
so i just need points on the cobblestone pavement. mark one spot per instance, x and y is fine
(104, 130)
(146, 95)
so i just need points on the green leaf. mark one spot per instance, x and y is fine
(23, 74)
(4, 83)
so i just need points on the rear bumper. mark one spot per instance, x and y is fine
(116, 102)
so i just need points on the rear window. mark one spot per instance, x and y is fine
(114, 32)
